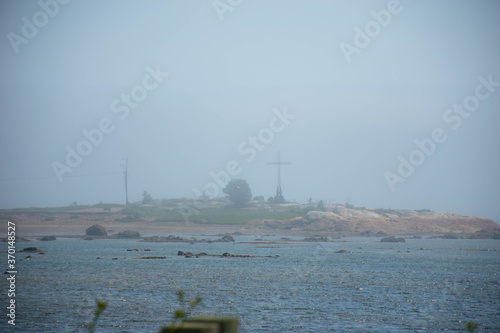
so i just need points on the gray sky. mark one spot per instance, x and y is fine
(342, 88)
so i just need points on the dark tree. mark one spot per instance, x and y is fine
(146, 198)
(239, 192)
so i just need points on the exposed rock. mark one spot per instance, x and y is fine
(343, 211)
(96, 230)
(31, 249)
(48, 238)
(229, 255)
(318, 215)
(129, 234)
(227, 238)
(179, 239)
(448, 236)
(151, 258)
(224, 255)
(316, 239)
(339, 219)
(163, 239)
(343, 251)
(408, 213)
(88, 238)
(298, 222)
(392, 239)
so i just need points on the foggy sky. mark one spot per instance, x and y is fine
(184, 89)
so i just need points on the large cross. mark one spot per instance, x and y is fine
(279, 194)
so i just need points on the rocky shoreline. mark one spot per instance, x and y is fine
(331, 221)
(341, 221)
(179, 239)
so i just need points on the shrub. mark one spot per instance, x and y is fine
(239, 192)
(321, 206)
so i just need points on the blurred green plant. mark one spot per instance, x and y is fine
(182, 314)
(100, 307)
(471, 326)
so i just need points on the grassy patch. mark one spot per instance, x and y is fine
(219, 215)
(239, 216)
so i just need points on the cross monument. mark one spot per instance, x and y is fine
(279, 194)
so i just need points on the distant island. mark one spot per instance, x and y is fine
(259, 216)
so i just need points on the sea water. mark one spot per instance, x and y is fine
(417, 286)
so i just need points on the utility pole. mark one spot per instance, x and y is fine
(126, 182)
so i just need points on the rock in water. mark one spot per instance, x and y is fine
(316, 239)
(393, 239)
(96, 230)
(30, 249)
(227, 238)
(129, 234)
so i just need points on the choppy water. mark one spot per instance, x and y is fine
(420, 285)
